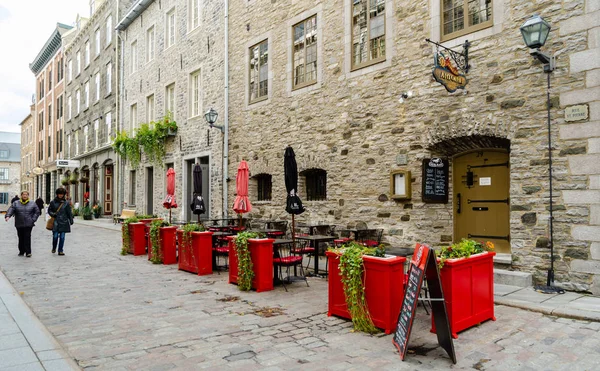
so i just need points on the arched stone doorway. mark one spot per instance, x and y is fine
(480, 187)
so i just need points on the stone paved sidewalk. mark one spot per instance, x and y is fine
(113, 312)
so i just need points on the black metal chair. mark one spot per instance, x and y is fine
(372, 238)
(285, 257)
(221, 251)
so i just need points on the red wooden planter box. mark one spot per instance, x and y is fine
(168, 244)
(137, 238)
(468, 286)
(261, 253)
(384, 289)
(196, 255)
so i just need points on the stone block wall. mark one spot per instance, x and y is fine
(200, 49)
(354, 126)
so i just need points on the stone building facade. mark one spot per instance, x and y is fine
(28, 151)
(349, 85)
(90, 108)
(173, 62)
(10, 171)
(48, 68)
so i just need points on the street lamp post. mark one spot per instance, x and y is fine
(211, 117)
(535, 33)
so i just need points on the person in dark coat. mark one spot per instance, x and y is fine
(26, 214)
(14, 199)
(40, 203)
(63, 219)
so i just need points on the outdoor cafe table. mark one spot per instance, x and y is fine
(316, 240)
(312, 226)
(359, 232)
(266, 231)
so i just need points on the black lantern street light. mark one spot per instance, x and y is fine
(535, 33)
(211, 117)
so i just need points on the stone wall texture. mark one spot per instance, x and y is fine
(353, 125)
(199, 49)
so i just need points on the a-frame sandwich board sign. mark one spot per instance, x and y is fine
(423, 264)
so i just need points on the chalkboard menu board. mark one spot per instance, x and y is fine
(435, 180)
(409, 304)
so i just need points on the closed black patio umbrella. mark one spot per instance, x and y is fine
(197, 204)
(293, 203)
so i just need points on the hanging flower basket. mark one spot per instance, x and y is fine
(84, 180)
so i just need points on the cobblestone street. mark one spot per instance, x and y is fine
(114, 312)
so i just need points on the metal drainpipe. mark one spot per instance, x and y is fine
(121, 64)
(226, 116)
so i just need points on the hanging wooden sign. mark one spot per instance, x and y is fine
(447, 74)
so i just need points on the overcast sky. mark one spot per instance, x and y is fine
(25, 26)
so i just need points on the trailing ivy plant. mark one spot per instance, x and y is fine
(155, 226)
(125, 234)
(351, 274)
(149, 137)
(245, 271)
(187, 235)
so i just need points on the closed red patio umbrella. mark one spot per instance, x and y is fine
(242, 203)
(169, 202)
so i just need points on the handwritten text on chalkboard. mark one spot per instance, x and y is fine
(435, 180)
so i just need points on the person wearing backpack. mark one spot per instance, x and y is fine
(26, 214)
(61, 211)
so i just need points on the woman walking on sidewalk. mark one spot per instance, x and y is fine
(26, 214)
(60, 210)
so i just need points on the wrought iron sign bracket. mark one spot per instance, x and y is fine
(461, 59)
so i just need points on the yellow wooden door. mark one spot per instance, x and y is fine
(481, 198)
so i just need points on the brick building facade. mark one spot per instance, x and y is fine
(349, 85)
(28, 151)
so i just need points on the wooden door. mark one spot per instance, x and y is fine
(108, 189)
(481, 198)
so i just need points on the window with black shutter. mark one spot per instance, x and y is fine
(315, 183)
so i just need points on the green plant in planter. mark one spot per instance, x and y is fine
(125, 234)
(128, 148)
(155, 239)
(245, 271)
(463, 249)
(97, 210)
(65, 181)
(75, 211)
(351, 274)
(187, 233)
(86, 212)
(74, 179)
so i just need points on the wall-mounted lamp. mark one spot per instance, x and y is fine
(211, 117)
(405, 95)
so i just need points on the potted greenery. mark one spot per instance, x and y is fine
(86, 212)
(65, 181)
(365, 285)
(84, 179)
(155, 252)
(195, 249)
(74, 178)
(251, 261)
(467, 277)
(75, 211)
(134, 237)
(96, 210)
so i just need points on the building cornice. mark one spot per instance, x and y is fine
(49, 49)
(135, 11)
(90, 21)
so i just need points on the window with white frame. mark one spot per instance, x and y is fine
(87, 53)
(86, 137)
(69, 154)
(150, 44)
(70, 70)
(304, 71)
(108, 78)
(132, 118)
(69, 107)
(170, 28)
(76, 142)
(195, 91)
(170, 100)
(97, 42)
(194, 14)
(368, 32)
(150, 108)
(134, 56)
(109, 30)
(86, 95)
(259, 71)
(3, 173)
(96, 127)
(77, 102)
(97, 86)
(108, 126)
(78, 59)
